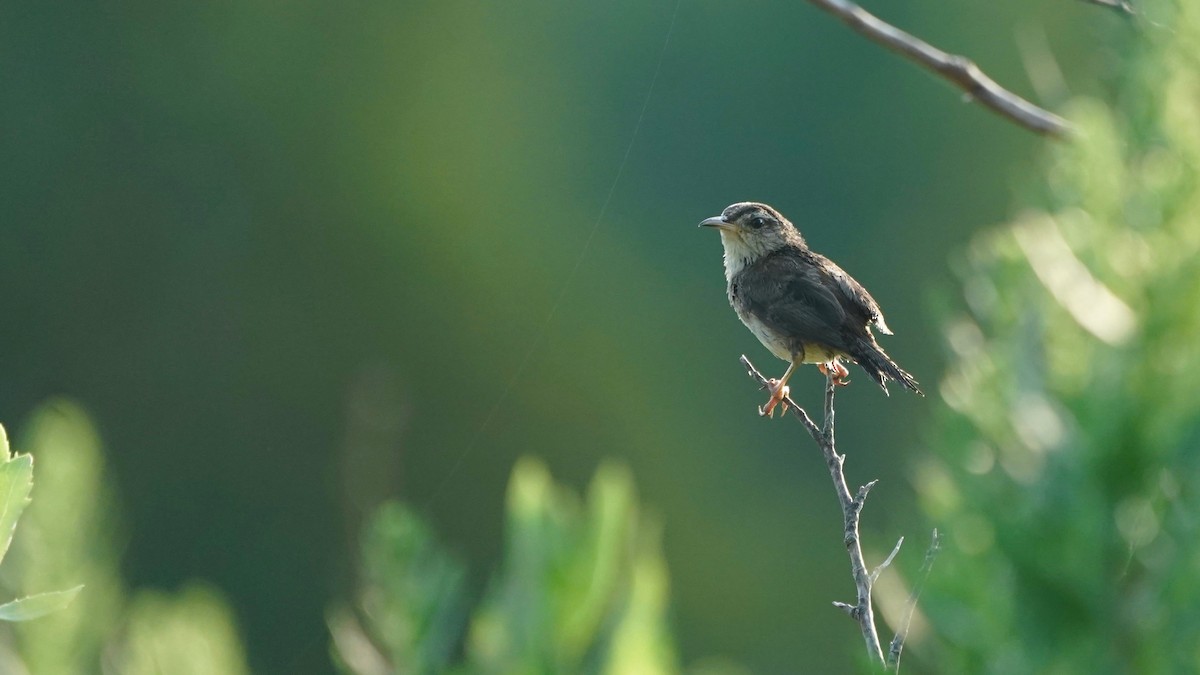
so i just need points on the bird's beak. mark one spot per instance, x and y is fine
(717, 222)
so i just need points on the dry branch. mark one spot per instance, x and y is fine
(958, 70)
(897, 646)
(861, 611)
(1122, 6)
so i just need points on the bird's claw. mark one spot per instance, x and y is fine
(837, 371)
(779, 395)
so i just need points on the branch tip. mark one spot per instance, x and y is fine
(955, 69)
(886, 561)
(1121, 6)
(897, 645)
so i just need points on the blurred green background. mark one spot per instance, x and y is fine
(296, 259)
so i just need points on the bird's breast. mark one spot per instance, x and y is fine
(776, 342)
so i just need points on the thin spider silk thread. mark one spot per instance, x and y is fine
(543, 330)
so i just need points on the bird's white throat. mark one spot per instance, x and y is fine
(741, 252)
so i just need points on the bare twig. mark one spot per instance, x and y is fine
(958, 70)
(1121, 6)
(887, 561)
(897, 646)
(813, 429)
(862, 610)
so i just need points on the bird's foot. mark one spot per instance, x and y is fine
(837, 371)
(779, 394)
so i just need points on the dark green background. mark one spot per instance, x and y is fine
(298, 257)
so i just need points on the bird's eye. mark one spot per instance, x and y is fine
(757, 221)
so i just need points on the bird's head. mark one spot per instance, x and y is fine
(750, 230)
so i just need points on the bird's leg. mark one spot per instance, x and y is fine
(836, 369)
(779, 392)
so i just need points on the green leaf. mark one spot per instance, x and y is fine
(192, 632)
(16, 480)
(38, 605)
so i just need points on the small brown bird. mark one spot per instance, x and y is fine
(798, 303)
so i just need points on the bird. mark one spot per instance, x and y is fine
(798, 303)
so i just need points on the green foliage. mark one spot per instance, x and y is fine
(413, 592)
(190, 633)
(66, 539)
(582, 589)
(69, 534)
(1066, 476)
(37, 606)
(16, 482)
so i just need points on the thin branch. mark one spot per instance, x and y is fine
(864, 610)
(897, 646)
(1121, 6)
(861, 611)
(958, 70)
(813, 429)
(887, 561)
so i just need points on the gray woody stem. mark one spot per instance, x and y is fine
(861, 611)
(1121, 6)
(897, 646)
(958, 70)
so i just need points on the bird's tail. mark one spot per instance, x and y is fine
(881, 368)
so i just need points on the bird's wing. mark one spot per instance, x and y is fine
(786, 292)
(851, 295)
